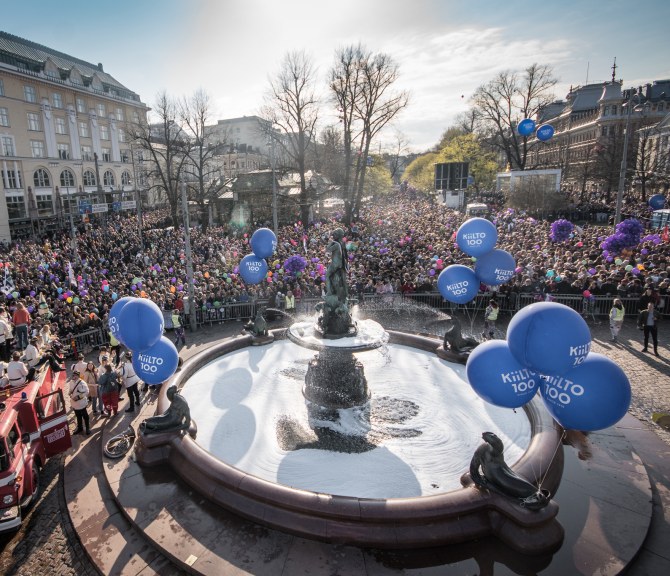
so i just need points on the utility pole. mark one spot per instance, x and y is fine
(189, 260)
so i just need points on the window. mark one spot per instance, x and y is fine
(4, 117)
(57, 100)
(125, 157)
(63, 151)
(86, 153)
(101, 110)
(125, 178)
(83, 129)
(11, 179)
(106, 155)
(104, 132)
(122, 136)
(16, 207)
(41, 178)
(119, 114)
(61, 126)
(67, 179)
(44, 204)
(81, 106)
(108, 178)
(33, 121)
(7, 146)
(89, 178)
(2, 87)
(136, 117)
(30, 94)
(37, 148)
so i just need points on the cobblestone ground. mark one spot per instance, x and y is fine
(46, 544)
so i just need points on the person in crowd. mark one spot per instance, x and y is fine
(79, 395)
(616, 317)
(178, 326)
(130, 382)
(5, 329)
(649, 295)
(490, 317)
(32, 357)
(648, 321)
(21, 320)
(80, 366)
(90, 376)
(289, 302)
(17, 371)
(108, 390)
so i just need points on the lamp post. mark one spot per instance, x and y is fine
(274, 186)
(624, 158)
(189, 259)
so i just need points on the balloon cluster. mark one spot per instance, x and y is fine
(561, 230)
(548, 348)
(627, 235)
(527, 126)
(138, 324)
(253, 268)
(477, 237)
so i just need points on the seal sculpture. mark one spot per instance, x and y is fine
(489, 471)
(177, 417)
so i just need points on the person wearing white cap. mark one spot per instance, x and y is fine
(17, 371)
(79, 394)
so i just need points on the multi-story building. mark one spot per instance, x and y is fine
(590, 133)
(63, 147)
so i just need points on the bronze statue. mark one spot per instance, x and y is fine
(177, 417)
(335, 320)
(498, 477)
(258, 326)
(454, 340)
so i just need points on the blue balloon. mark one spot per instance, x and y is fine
(141, 323)
(458, 284)
(253, 269)
(496, 267)
(657, 201)
(158, 363)
(549, 338)
(497, 377)
(477, 236)
(594, 395)
(545, 132)
(263, 242)
(526, 127)
(113, 320)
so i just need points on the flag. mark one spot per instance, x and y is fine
(8, 283)
(70, 274)
(665, 236)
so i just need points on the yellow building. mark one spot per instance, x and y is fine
(62, 141)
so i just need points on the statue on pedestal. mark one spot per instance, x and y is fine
(177, 417)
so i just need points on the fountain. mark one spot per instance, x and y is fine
(356, 444)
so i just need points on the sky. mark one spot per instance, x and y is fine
(444, 49)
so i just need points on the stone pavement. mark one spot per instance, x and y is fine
(47, 544)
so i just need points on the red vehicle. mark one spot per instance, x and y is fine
(33, 427)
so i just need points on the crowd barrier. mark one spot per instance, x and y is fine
(509, 304)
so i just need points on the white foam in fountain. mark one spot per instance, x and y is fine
(238, 399)
(370, 334)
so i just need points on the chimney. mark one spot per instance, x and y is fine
(100, 67)
(647, 93)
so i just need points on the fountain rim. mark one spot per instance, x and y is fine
(449, 517)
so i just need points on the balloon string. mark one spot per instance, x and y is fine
(560, 441)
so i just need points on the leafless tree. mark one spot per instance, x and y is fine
(204, 180)
(361, 84)
(502, 103)
(164, 149)
(292, 105)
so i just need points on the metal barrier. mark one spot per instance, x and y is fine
(85, 342)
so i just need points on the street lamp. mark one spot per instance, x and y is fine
(624, 157)
(189, 259)
(274, 186)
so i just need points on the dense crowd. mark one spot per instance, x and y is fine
(398, 245)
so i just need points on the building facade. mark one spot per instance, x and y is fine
(63, 148)
(592, 127)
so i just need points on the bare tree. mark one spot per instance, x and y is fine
(396, 156)
(166, 147)
(502, 103)
(292, 105)
(361, 85)
(203, 168)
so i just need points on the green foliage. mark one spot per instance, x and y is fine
(421, 172)
(378, 178)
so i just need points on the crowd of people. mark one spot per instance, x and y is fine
(54, 288)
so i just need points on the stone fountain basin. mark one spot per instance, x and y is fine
(412, 522)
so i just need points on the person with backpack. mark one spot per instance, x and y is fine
(130, 382)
